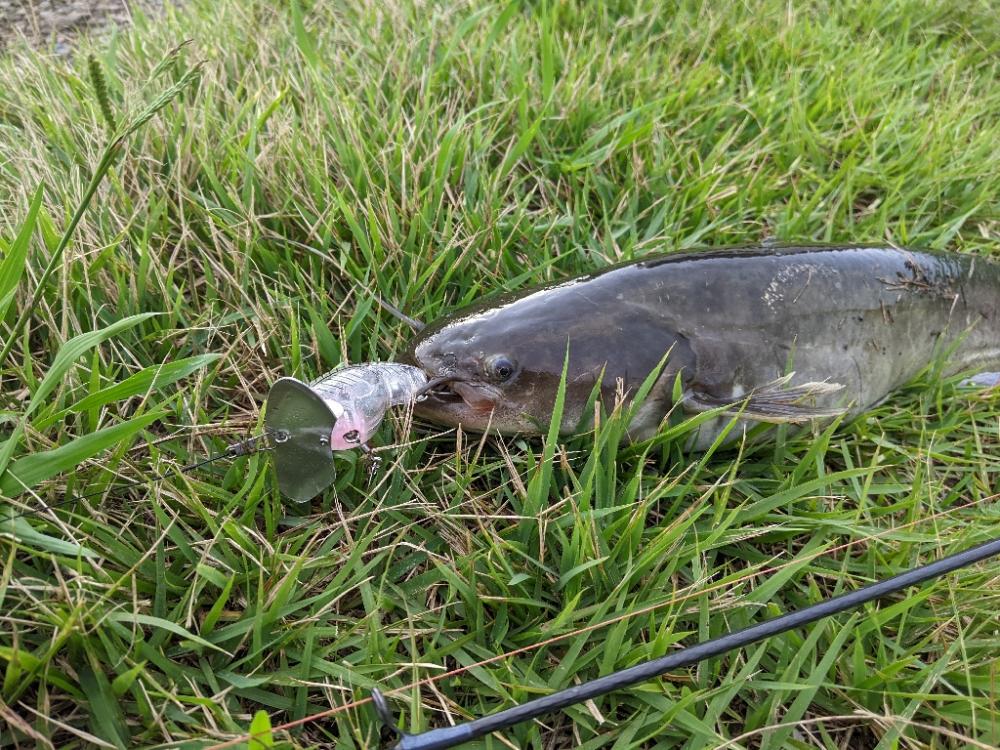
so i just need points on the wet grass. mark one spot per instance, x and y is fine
(434, 153)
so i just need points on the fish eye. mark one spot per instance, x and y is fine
(502, 367)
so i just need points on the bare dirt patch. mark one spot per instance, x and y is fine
(58, 22)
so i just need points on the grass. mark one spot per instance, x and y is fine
(433, 153)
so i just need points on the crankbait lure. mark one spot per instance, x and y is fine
(307, 422)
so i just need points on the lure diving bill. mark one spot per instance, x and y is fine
(340, 411)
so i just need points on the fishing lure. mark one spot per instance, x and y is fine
(340, 411)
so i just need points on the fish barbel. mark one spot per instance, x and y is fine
(786, 334)
(341, 410)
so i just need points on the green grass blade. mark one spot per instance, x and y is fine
(14, 260)
(33, 469)
(260, 729)
(145, 381)
(67, 356)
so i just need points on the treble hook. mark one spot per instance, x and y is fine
(372, 459)
(430, 385)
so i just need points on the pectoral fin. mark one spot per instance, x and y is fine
(775, 402)
(982, 380)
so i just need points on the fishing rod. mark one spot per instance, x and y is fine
(405, 689)
(302, 426)
(445, 737)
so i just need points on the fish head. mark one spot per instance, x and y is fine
(498, 365)
(486, 378)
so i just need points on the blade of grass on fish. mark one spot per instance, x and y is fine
(593, 410)
(538, 486)
(642, 393)
(598, 479)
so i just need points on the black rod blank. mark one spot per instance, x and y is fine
(446, 737)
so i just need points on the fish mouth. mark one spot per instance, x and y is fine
(451, 392)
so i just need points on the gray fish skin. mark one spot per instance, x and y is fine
(734, 321)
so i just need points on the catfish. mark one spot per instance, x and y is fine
(773, 334)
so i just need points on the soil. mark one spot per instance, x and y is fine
(57, 22)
